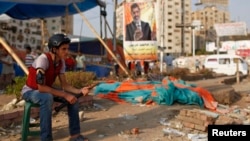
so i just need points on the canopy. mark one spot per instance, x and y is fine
(29, 9)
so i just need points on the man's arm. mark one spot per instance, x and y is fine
(67, 87)
(148, 32)
(129, 35)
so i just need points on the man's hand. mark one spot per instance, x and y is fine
(138, 35)
(70, 98)
(85, 91)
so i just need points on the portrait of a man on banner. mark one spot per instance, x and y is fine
(140, 31)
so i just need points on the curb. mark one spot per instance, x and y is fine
(15, 116)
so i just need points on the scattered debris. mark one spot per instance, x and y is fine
(173, 131)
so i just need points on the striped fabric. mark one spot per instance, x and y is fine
(29, 59)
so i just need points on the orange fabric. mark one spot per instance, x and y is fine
(209, 101)
(112, 96)
(128, 86)
(154, 93)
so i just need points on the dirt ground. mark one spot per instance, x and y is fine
(114, 122)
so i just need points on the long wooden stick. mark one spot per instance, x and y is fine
(13, 54)
(100, 39)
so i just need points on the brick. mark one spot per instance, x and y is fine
(35, 110)
(190, 113)
(86, 103)
(183, 112)
(190, 119)
(197, 115)
(200, 127)
(247, 99)
(1, 117)
(17, 120)
(5, 123)
(237, 121)
(34, 115)
(206, 123)
(85, 98)
(188, 124)
(20, 113)
(11, 115)
(223, 120)
(205, 117)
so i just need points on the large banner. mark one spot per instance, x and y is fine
(139, 31)
(234, 45)
(215, 2)
(231, 29)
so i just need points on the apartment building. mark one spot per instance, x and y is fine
(20, 33)
(209, 15)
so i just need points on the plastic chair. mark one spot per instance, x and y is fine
(26, 125)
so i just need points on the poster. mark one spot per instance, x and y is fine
(140, 42)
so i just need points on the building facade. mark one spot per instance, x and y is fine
(20, 33)
(209, 15)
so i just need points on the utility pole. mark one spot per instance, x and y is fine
(114, 26)
(183, 27)
(101, 21)
(105, 19)
(162, 47)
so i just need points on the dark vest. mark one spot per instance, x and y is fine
(50, 74)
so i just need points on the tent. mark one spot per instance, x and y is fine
(28, 9)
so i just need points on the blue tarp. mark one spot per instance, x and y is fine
(165, 94)
(88, 47)
(18, 70)
(30, 9)
(98, 70)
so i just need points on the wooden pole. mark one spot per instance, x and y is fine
(42, 35)
(67, 20)
(100, 39)
(237, 71)
(114, 26)
(13, 54)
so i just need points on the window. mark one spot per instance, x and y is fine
(212, 60)
(224, 61)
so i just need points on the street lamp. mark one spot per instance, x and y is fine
(196, 25)
(193, 34)
(161, 48)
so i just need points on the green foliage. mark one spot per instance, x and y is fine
(77, 79)
(16, 88)
(179, 72)
(201, 51)
(206, 72)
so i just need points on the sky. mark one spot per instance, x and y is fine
(238, 9)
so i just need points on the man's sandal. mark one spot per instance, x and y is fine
(79, 138)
